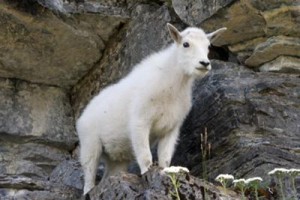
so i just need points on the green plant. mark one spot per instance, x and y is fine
(254, 183)
(224, 179)
(279, 173)
(172, 174)
(176, 185)
(205, 147)
(293, 173)
(241, 185)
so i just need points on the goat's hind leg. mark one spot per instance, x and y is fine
(90, 152)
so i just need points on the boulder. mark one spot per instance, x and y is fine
(282, 64)
(273, 48)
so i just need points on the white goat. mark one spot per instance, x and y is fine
(147, 106)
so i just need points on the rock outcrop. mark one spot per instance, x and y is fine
(56, 55)
(156, 184)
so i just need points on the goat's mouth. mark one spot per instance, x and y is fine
(202, 69)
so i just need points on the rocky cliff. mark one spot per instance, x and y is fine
(56, 55)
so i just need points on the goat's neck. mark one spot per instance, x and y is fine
(180, 81)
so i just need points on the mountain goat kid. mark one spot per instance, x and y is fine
(146, 107)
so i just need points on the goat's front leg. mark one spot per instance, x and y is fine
(166, 147)
(141, 146)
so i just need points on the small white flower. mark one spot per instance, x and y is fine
(294, 172)
(174, 169)
(224, 177)
(239, 181)
(254, 179)
(240, 184)
(278, 171)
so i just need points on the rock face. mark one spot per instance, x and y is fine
(251, 120)
(56, 55)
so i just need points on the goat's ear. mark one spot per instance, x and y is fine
(175, 34)
(214, 35)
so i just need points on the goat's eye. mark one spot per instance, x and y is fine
(186, 45)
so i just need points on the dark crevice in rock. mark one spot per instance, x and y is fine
(117, 30)
(17, 81)
(121, 28)
(270, 91)
(30, 6)
(218, 53)
(76, 1)
(73, 152)
(20, 182)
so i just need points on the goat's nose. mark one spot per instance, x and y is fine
(205, 64)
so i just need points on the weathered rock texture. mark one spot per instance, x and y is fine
(258, 31)
(56, 55)
(194, 12)
(37, 133)
(46, 49)
(251, 120)
(155, 184)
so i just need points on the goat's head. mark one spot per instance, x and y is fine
(193, 48)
